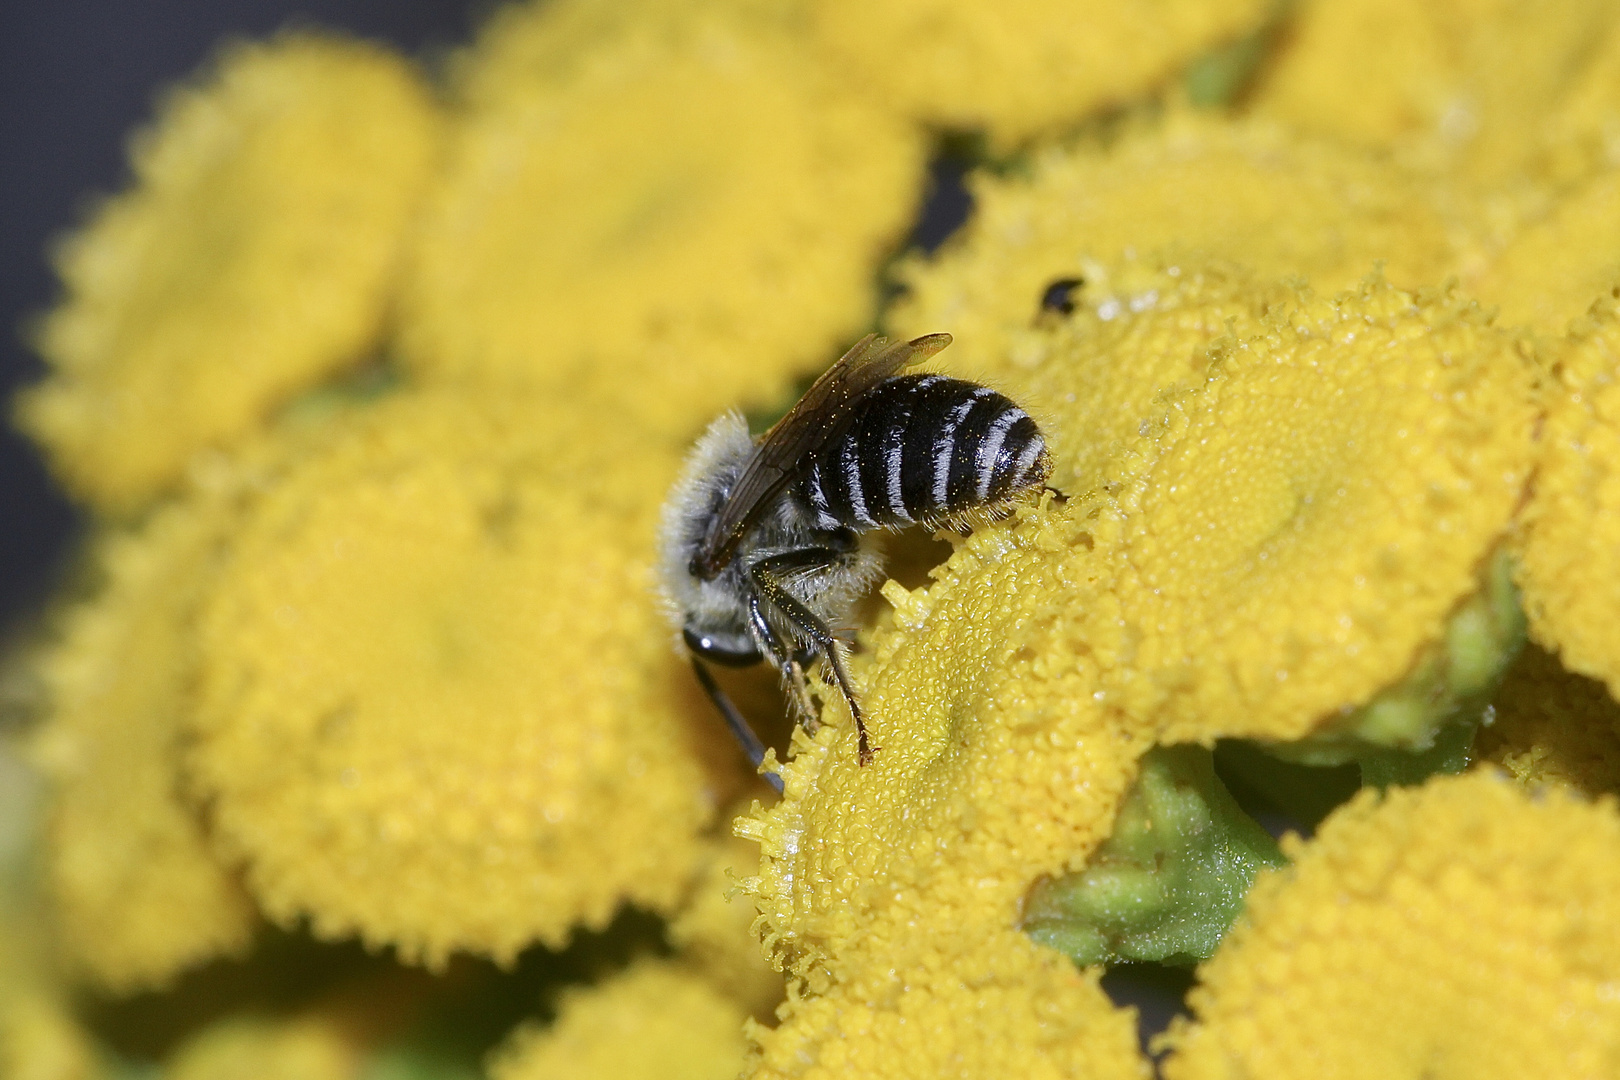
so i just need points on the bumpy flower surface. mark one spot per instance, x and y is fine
(1247, 192)
(1299, 522)
(1554, 727)
(1461, 929)
(1467, 83)
(252, 258)
(1553, 270)
(1015, 69)
(685, 221)
(714, 931)
(893, 891)
(438, 707)
(301, 1048)
(1569, 553)
(138, 895)
(655, 1021)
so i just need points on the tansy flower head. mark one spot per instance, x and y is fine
(1461, 929)
(1018, 68)
(714, 930)
(251, 259)
(125, 851)
(655, 1021)
(1466, 85)
(1554, 727)
(683, 226)
(1251, 193)
(1568, 549)
(438, 707)
(1554, 268)
(893, 891)
(299, 1048)
(1298, 518)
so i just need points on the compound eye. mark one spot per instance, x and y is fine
(726, 652)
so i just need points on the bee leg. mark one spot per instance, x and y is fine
(786, 663)
(734, 720)
(768, 585)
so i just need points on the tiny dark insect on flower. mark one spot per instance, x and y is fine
(767, 543)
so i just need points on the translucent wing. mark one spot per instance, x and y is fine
(820, 417)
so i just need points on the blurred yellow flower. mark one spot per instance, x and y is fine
(1569, 572)
(438, 706)
(1552, 727)
(681, 228)
(126, 852)
(262, 1048)
(1201, 187)
(1462, 929)
(1020, 67)
(253, 257)
(1461, 85)
(714, 931)
(1557, 266)
(655, 1021)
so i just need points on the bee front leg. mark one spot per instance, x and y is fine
(767, 575)
(782, 656)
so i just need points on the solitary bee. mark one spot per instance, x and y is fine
(767, 544)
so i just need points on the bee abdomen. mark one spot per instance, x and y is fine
(925, 448)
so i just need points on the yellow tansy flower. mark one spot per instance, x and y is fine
(1022, 67)
(1298, 519)
(714, 931)
(655, 1020)
(126, 855)
(1568, 552)
(1463, 83)
(1247, 192)
(893, 892)
(261, 1048)
(252, 258)
(438, 704)
(682, 223)
(1554, 268)
(1552, 727)
(1458, 930)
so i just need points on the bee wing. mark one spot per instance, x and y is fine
(819, 417)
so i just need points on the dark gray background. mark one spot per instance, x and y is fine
(75, 77)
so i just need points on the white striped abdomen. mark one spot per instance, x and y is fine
(925, 448)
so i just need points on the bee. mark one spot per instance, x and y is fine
(767, 544)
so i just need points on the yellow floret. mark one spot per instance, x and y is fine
(1460, 930)
(302, 1048)
(252, 258)
(1552, 727)
(1020, 67)
(655, 1021)
(1297, 524)
(1583, 133)
(1555, 268)
(1249, 192)
(679, 224)
(1464, 83)
(1569, 552)
(893, 891)
(714, 932)
(40, 1040)
(138, 895)
(438, 706)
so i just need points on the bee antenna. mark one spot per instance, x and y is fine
(734, 720)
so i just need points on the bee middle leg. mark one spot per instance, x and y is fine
(767, 575)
